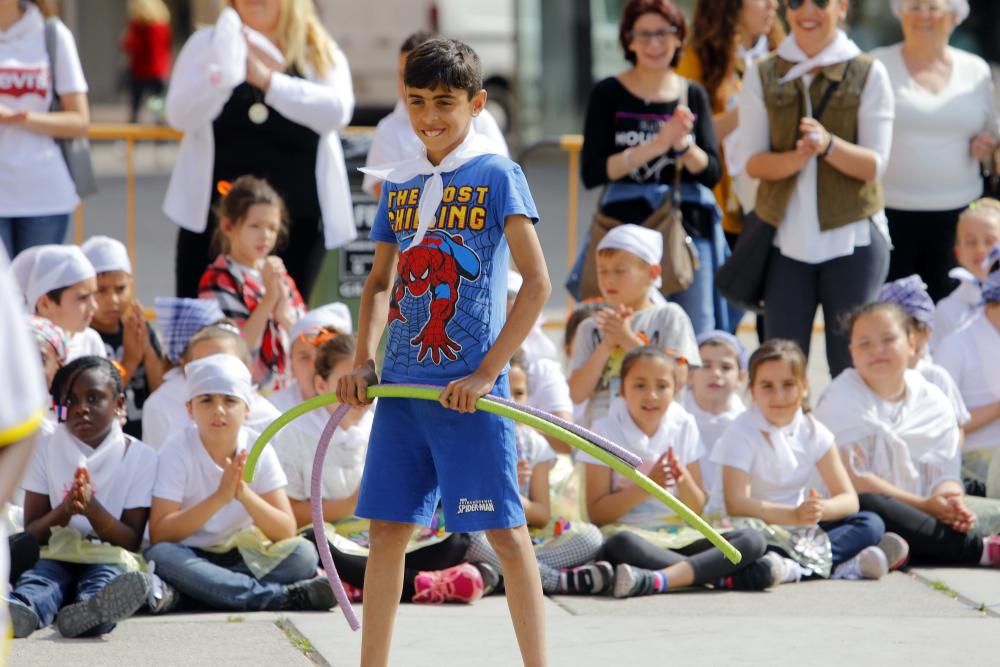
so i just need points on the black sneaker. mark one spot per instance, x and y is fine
(120, 598)
(491, 577)
(310, 595)
(593, 579)
(23, 618)
(765, 572)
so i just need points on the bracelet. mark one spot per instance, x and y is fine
(829, 147)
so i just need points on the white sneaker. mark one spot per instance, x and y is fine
(869, 563)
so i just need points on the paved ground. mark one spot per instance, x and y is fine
(923, 617)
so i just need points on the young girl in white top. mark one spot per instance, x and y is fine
(712, 398)
(971, 356)
(87, 498)
(770, 452)
(219, 540)
(647, 421)
(901, 443)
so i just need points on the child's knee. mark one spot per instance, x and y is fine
(167, 554)
(389, 535)
(750, 543)
(508, 542)
(301, 563)
(871, 524)
(619, 547)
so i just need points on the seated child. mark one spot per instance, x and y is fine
(573, 322)
(628, 264)
(434, 567)
(712, 398)
(88, 492)
(218, 540)
(768, 455)
(970, 355)
(164, 413)
(120, 319)
(59, 283)
(53, 347)
(978, 230)
(652, 551)
(901, 443)
(250, 284)
(561, 547)
(911, 295)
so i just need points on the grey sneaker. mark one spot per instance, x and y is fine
(631, 581)
(161, 597)
(23, 618)
(896, 550)
(869, 563)
(120, 598)
(310, 595)
(491, 577)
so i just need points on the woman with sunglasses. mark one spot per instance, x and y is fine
(815, 128)
(638, 130)
(946, 125)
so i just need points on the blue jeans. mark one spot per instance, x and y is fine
(853, 533)
(701, 301)
(223, 581)
(20, 234)
(50, 583)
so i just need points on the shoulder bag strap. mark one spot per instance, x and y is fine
(675, 195)
(51, 25)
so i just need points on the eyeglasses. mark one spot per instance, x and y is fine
(797, 4)
(929, 6)
(647, 36)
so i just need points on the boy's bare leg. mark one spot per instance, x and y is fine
(383, 586)
(523, 586)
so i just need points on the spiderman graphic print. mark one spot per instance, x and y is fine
(448, 302)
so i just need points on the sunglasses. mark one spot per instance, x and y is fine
(797, 4)
(646, 37)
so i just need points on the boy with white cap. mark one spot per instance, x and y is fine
(59, 282)
(628, 265)
(121, 322)
(219, 540)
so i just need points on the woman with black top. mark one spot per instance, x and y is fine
(636, 133)
(263, 92)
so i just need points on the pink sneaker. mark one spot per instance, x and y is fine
(992, 547)
(461, 583)
(354, 594)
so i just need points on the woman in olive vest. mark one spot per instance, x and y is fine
(816, 128)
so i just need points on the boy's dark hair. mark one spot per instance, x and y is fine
(55, 296)
(332, 352)
(415, 40)
(66, 377)
(444, 62)
(582, 312)
(238, 197)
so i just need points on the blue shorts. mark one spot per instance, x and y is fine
(420, 452)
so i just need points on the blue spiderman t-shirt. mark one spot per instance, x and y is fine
(449, 300)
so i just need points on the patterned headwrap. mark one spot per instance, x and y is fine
(180, 319)
(910, 293)
(992, 262)
(47, 332)
(991, 288)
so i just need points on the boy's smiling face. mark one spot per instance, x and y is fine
(441, 117)
(977, 233)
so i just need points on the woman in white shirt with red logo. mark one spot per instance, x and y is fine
(37, 194)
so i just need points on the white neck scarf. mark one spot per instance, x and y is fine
(648, 448)
(841, 49)
(758, 50)
(66, 454)
(471, 147)
(710, 425)
(987, 341)
(778, 458)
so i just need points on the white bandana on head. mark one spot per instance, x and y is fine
(335, 315)
(44, 268)
(842, 48)
(219, 374)
(644, 243)
(107, 254)
(431, 194)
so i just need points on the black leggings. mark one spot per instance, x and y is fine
(303, 256)
(447, 553)
(708, 563)
(931, 541)
(923, 242)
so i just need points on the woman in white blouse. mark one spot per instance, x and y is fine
(946, 125)
(264, 92)
(815, 128)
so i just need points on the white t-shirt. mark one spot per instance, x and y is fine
(84, 344)
(34, 179)
(547, 387)
(799, 236)
(395, 140)
(971, 356)
(187, 475)
(941, 379)
(711, 427)
(666, 326)
(344, 464)
(533, 448)
(122, 476)
(931, 167)
(677, 429)
(780, 461)
(956, 310)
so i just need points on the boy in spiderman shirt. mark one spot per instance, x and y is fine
(447, 224)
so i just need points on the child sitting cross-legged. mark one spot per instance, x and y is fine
(628, 266)
(652, 551)
(221, 541)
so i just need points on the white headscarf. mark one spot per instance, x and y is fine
(335, 315)
(41, 269)
(219, 374)
(960, 8)
(644, 243)
(842, 48)
(107, 254)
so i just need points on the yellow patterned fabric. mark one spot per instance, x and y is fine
(69, 546)
(259, 553)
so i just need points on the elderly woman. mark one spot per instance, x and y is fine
(262, 92)
(946, 125)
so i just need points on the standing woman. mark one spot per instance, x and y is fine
(37, 194)
(815, 128)
(946, 127)
(636, 134)
(263, 92)
(149, 45)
